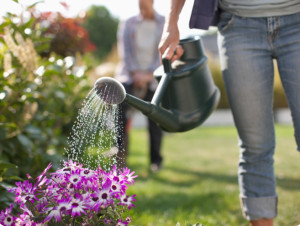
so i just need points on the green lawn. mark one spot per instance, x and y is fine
(198, 182)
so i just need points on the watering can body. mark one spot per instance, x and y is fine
(186, 94)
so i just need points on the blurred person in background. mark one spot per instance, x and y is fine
(138, 39)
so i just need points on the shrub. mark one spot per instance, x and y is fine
(39, 100)
(67, 35)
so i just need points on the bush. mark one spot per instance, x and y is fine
(39, 100)
(67, 35)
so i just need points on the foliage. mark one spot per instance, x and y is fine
(67, 35)
(72, 195)
(102, 28)
(39, 100)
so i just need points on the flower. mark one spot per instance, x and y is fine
(58, 211)
(129, 175)
(77, 206)
(72, 194)
(127, 200)
(24, 192)
(6, 217)
(102, 197)
(39, 178)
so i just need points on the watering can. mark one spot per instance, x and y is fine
(185, 96)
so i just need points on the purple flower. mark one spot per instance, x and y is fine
(122, 223)
(24, 192)
(127, 200)
(117, 187)
(102, 196)
(129, 175)
(87, 173)
(113, 175)
(24, 220)
(89, 177)
(107, 221)
(6, 217)
(72, 192)
(39, 178)
(78, 207)
(58, 211)
(42, 204)
(75, 178)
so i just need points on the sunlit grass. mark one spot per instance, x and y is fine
(198, 182)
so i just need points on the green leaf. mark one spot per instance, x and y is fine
(4, 165)
(53, 71)
(25, 142)
(15, 178)
(60, 94)
(34, 4)
(32, 130)
(2, 133)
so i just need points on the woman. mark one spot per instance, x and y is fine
(251, 35)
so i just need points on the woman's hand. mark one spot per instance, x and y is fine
(168, 46)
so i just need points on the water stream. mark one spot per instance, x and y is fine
(94, 135)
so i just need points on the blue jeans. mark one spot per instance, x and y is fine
(248, 47)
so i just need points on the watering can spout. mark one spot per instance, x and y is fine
(165, 119)
(186, 94)
(112, 91)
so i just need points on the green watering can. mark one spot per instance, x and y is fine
(186, 94)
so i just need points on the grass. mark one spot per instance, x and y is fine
(198, 182)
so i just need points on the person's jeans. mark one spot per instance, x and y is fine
(248, 47)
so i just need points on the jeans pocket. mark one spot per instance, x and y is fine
(225, 22)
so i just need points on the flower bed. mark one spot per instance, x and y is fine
(72, 195)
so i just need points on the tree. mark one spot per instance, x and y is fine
(102, 28)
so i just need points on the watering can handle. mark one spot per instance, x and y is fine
(167, 65)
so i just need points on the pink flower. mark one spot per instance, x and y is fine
(129, 175)
(71, 192)
(122, 223)
(117, 187)
(75, 178)
(6, 217)
(39, 178)
(127, 200)
(102, 196)
(24, 192)
(113, 175)
(58, 211)
(78, 207)
(89, 177)
(24, 220)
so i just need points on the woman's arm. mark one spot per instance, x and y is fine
(168, 46)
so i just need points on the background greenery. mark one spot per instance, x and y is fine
(198, 181)
(102, 28)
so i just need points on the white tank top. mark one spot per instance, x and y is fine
(145, 43)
